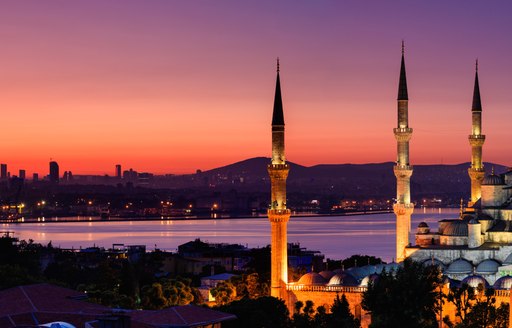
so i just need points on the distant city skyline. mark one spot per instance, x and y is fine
(179, 86)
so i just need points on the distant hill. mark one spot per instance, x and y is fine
(370, 180)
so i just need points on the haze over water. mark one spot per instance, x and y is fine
(337, 237)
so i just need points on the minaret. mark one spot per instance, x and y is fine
(278, 214)
(403, 207)
(476, 140)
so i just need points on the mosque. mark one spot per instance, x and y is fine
(474, 249)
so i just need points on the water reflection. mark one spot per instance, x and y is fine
(336, 237)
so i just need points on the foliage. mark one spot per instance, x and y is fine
(340, 314)
(476, 308)
(168, 292)
(461, 297)
(266, 311)
(238, 287)
(406, 298)
(353, 261)
(304, 315)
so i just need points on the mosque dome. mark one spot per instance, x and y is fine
(460, 266)
(493, 180)
(456, 228)
(58, 324)
(473, 221)
(435, 262)
(422, 228)
(503, 283)
(371, 278)
(311, 278)
(487, 267)
(391, 267)
(343, 279)
(326, 274)
(474, 281)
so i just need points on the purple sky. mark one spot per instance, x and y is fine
(172, 86)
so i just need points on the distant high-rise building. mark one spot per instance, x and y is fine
(130, 175)
(35, 177)
(3, 171)
(22, 174)
(118, 171)
(54, 172)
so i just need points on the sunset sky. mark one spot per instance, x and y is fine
(174, 86)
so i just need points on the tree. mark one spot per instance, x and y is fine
(268, 312)
(341, 316)
(406, 298)
(303, 316)
(477, 309)
(178, 291)
(224, 293)
(153, 297)
(461, 297)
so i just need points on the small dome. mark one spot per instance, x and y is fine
(311, 278)
(474, 281)
(435, 262)
(366, 280)
(423, 225)
(460, 266)
(326, 275)
(391, 267)
(473, 221)
(58, 324)
(457, 228)
(503, 283)
(493, 180)
(487, 267)
(361, 272)
(343, 279)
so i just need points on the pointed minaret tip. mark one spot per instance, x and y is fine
(477, 104)
(402, 84)
(278, 115)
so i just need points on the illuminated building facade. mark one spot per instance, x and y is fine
(478, 245)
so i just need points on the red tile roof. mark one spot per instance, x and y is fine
(181, 316)
(44, 303)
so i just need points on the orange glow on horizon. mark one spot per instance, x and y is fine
(172, 88)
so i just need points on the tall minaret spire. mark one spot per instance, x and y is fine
(476, 140)
(278, 214)
(403, 207)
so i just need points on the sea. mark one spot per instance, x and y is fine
(336, 237)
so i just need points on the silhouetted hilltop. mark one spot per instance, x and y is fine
(348, 180)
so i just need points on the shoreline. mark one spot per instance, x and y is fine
(176, 218)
